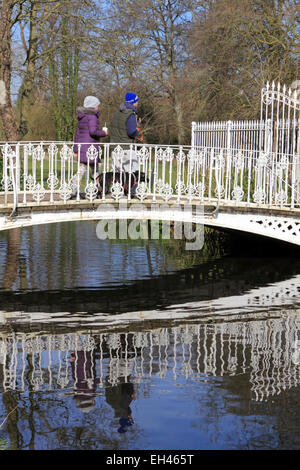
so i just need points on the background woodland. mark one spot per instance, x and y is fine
(191, 60)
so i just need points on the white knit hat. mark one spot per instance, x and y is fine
(85, 404)
(91, 102)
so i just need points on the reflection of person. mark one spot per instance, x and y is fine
(124, 424)
(88, 132)
(119, 398)
(85, 381)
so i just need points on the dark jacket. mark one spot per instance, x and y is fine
(88, 131)
(119, 398)
(123, 128)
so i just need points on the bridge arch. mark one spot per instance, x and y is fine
(274, 223)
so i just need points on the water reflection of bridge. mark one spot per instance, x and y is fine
(224, 283)
(263, 350)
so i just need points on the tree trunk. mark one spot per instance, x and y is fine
(180, 122)
(6, 110)
(63, 75)
(26, 99)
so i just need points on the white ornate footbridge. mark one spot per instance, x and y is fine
(245, 175)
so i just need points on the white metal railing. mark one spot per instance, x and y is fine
(273, 142)
(277, 130)
(50, 171)
(230, 135)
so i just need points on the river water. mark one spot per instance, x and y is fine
(122, 345)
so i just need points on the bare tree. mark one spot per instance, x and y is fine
(147, 50)
(238, 46)
(10, 11)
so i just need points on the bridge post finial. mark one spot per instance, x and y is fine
(229, 129)
(193, 136)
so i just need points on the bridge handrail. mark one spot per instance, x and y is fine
(183, 172)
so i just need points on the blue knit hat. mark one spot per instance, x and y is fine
(131, 98)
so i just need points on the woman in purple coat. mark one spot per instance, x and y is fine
(88, 133)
